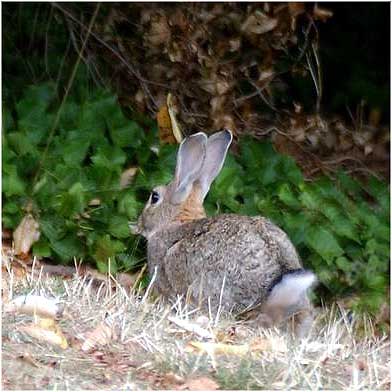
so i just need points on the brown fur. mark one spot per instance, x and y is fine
(192, 208)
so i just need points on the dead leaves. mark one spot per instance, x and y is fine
(46, 330)
(127, 177)
(35, 305)
(259, 23)
(191, 327)
(169, 129)
(320, 13)
(159, 30)
(102, 335)
(45, 311)
(172, 381)
(220, 62)
(211, 348)
(199, 384)
(25, 235)
(258, 345)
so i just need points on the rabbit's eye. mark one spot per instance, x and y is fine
(154, 197)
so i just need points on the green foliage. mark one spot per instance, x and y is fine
(340, 227)
(74, 187)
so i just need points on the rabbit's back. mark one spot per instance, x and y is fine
(232, 259)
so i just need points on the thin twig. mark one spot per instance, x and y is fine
(46, 42)
(67, 90)
(261, 94)
(111, 49)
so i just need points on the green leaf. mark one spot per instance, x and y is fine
(128, 261)
(74, 152)
(373, 247)
(119, 226)
(343, 263)
(67, 247)
(42, 249)
(20, 143)
(73, 201)
(105, 266)
(287, 196)
(340, 224)
(380, 191)
(33, 118)
(10, 208)
(128, 135)
(109, 157)
(324, 243)
(36, 96)
(106, 248)
(310, 199)
(12, 184)
(349, 184)
(129, 206)
(7, 120)
(289, 171)
(91, 121)
(297, 225)
(52, 226)
(69, 116)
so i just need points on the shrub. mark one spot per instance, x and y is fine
(69, 177)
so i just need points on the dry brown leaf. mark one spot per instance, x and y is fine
(46, 331)
(159, 31)
(26, 234)
(169, 130)
(259, 23)
(173, 378)
(127, 176)
(375, 117)
(174, 124)
(218, 348)
(200, 384)
(35, 305)
(94, 202)
(100, 336)
(259, 344)
(191, 327)
(296, 8)
(275, 344)
(18, 269)
(322, 14)
(126, 280)
(164, 124)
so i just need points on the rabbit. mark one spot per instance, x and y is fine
(240, 264)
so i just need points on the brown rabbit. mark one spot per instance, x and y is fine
(240, 263)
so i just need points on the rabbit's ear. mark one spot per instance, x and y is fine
(217, 146)
(190, 158)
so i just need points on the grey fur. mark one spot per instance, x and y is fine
(227, 260)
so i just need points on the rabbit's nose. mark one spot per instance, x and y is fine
(135, 228)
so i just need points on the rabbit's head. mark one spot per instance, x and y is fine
(199, 161)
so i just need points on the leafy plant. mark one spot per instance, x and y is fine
(73, 184)
(69, 177)
(340, 228)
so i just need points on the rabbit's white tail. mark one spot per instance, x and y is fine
(291, 289)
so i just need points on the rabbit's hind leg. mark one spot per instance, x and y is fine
(288, 297)
(303, 319)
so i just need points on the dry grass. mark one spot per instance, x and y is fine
(151, 352)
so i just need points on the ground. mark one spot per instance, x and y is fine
(111, 339)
